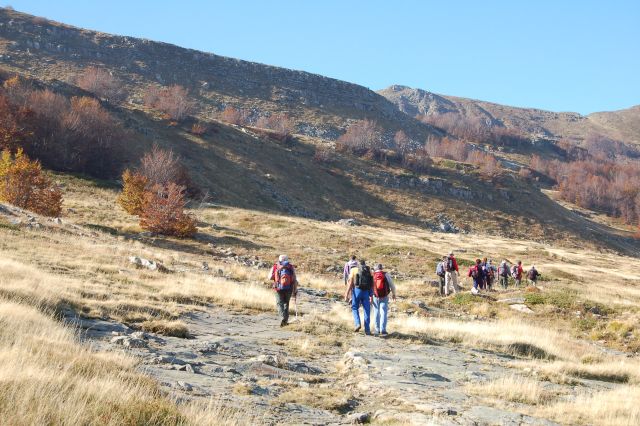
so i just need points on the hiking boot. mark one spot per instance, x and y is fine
(384, 333)
(283, 323)
(356, 329)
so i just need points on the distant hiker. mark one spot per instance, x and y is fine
(382, 286)
(440, 272)
(483, 270)
(490, 274)
(475, 272)
(503, 272)
(360, 282)
(532, 276)
(352, 263)
(451, 274)
(516, 273)
(285, 283)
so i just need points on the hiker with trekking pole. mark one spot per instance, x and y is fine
(285, 283)
(352, 263)
(451, 274)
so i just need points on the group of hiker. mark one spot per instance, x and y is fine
(366, 288)
(483, 273)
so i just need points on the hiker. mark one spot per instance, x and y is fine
(360, 283)
(285, 283)
(440, 272)
(516, 273)
(483, 268)
(532, 275)
(475, 272)
(490, 274)
(451, 274)
(352, 263)
(382, 286)
(503, 272)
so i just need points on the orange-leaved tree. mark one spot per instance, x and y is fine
(24, 184)
(163, 211)
(133, 190)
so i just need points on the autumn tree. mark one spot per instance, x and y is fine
(134, 185)
(173, 101)
(102, 84)
(24, 184)
(163, 211)
(231, 115)
(163, 166)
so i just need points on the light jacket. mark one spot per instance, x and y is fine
(347, 269)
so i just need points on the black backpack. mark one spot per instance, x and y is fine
(448, 266)
(364, 279)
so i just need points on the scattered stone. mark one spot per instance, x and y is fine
(129, 342)
(139, 335)
(146, 263)
(184, 386)
(512, 301)
(521, 308)
(348, 222)
(57, 221)
(359, 418)
(205, 266)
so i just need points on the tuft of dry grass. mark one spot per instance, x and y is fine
(323, 398)
(512, 388)
(166, 328)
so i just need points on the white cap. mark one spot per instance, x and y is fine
(451, 253)
(283, 258)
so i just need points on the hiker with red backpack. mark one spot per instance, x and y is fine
(475, 272)
(360, 284)
(516, 273)
(451, 274)
(382, 287)
(352, 263)
(285, 283)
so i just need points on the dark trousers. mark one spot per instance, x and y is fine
(441, 285)
(282, 300)
(504, 281)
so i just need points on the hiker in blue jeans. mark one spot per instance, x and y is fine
(382, 287)
(360, 282)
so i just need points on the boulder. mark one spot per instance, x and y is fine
(146, 263)
(521, 308)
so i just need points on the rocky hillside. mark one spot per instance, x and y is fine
(622, 125)
(321, 106)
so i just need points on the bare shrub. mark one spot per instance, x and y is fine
(199, 129)
(23, 184)
(524, 173)
(173, 101)
(231, 115)
(418, 161)
(163, 211)
(452, 149)
(361, 137)
(102, 84)
(281, 124)
(402, 142)
(323, 155)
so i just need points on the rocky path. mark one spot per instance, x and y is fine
(245, 360)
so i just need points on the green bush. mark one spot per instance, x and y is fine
(531, 299)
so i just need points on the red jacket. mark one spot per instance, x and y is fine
(455, 263)
(519, 272)
(474, 268)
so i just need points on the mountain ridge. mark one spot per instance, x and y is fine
(533, 121)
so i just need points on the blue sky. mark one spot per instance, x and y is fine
(559, 55)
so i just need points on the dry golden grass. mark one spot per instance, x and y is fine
(323, 398)
(607, 369)
(512, 388)
(617, 407)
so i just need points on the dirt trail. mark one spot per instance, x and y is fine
(245, 360)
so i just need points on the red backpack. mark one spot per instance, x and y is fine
(380, 285)
(284, 276)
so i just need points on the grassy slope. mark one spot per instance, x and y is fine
(87, 270)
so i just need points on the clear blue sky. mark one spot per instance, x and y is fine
(559, 55)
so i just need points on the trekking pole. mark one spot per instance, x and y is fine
(295, 303)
